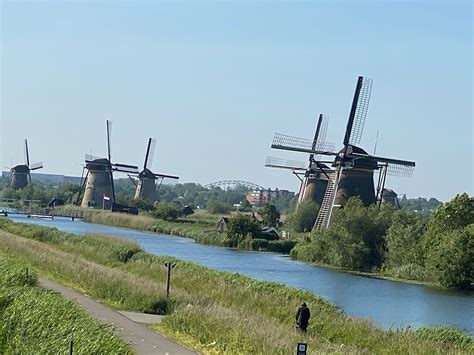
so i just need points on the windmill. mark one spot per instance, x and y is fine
(354, 167)
(146, 188)
(20, 175)
(98, 185)
(313, 176)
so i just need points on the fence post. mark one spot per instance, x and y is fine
(168, 277)
(71, 344)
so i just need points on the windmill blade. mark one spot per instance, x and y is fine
(127, 166)
(133, 180)
(383, 160)
(162, 176)
(320, 135)
(150, 152)
(128, 170)
(400, 170)
(36, 166)
(360, 105)
(396, 167)
(109, 139)
(27, 154)
(304, 145)
(273, 162)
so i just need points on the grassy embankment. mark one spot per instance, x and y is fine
(211, 310)
(35, 320)
(201, 227)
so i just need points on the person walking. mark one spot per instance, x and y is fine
(302, 317)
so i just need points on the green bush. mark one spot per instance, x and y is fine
(215, 207)
(281, 246)
(304, 217)
(167, 211)
(259, 244)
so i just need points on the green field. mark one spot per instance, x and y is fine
(215, 312)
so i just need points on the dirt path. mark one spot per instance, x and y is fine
(142, 340)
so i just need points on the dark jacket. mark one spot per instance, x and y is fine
(302, 316)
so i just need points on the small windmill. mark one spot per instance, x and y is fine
(314, 176)
(97, 187)
(147, 187)
(20, 175)
(354, 167)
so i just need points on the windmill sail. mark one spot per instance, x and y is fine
(27, 154)
(36, 166)
(273, 162)
(150, 152)
(304, 145)
(358, 113)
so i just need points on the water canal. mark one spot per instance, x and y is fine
(386, 303)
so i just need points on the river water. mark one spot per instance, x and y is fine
(386, 303)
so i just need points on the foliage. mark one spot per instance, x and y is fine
(270, 216)
(302, 220)
(215, 207)
(167, 211)
(245, 206)
(355, 239)
(447, 244)
(281, 246)
(240, 226)
(452, 262)
(422, 206)
(402, 239)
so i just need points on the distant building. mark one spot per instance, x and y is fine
(50, 178)
(260, 197)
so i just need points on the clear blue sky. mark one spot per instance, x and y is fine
(213, 82)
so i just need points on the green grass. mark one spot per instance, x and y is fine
(216, 311)
(38, 321)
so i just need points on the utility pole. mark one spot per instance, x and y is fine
(168, 277)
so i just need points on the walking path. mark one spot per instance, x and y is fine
(142, 340)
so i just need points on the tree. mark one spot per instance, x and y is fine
(453, 261)
(304, 217)
(215, 207)
(445, 245)
(403, 237)
(241, 225)
(245, 206)
(167, 211)
(270, 216)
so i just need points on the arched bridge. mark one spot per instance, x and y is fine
(232, 184)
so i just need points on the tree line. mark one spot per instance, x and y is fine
(401, 243)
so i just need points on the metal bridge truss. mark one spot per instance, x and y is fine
(233, 184)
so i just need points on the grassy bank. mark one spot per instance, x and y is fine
(34, 320)
(215, 311)
(201, 227)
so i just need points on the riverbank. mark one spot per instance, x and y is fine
(201, 228)
(220, 312)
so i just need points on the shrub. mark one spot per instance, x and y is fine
(281, 246)
(216, 207)
(304, 217)
(270, 215)
(167, 211)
